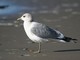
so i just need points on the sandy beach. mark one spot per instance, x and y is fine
(15, 45)
(13, 42)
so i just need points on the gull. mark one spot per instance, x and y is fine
(38, 32)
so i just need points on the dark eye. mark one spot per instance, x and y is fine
(24, 16)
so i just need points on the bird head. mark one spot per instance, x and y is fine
(26, 17)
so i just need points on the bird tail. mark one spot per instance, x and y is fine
(68, 39)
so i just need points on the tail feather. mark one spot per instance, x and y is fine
(68, 39)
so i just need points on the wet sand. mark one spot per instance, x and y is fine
(13, 42)
(15, 45)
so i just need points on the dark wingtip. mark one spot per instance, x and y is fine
(75, 40)
(68, 39)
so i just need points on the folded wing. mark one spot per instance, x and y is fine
(44, 31)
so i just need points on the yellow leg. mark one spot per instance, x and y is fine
(39, 48)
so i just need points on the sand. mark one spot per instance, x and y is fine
(15, 45)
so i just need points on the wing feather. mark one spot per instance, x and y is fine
(44, 31)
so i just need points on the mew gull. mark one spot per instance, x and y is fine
(38, 32)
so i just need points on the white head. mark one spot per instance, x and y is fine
(26, 17)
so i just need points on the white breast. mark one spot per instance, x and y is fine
(33, 37)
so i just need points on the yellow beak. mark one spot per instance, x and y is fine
(19, 19)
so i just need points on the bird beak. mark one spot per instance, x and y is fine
(19, 19)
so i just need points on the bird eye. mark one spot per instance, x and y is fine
(24, 16)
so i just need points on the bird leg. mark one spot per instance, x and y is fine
(39, 48)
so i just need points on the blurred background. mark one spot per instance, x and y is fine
(63, 15)
(63, 9)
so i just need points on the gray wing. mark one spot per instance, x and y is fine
(44, 31)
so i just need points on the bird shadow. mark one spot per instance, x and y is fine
(68, 50)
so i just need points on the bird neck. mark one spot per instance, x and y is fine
(27, 23)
